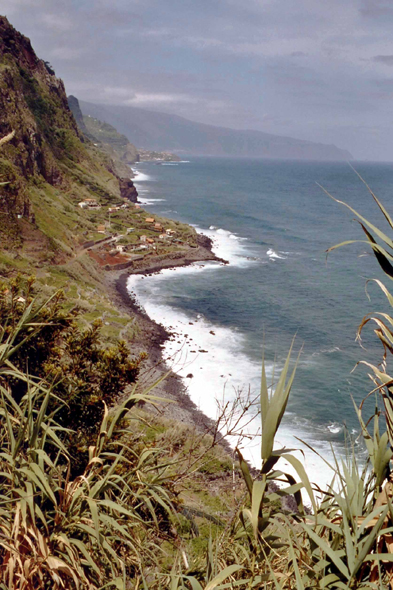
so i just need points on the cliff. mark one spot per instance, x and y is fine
(48, 166)
(73, 103)
(161, 131)
(60, 191)
(116, 145)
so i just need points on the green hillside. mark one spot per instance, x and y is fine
(110, 477)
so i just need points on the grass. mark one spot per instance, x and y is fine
(171, 483)
(143, 512)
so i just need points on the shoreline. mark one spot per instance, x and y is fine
(153, 335)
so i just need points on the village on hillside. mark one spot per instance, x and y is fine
(125, 233)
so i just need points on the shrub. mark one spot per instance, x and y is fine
(49, 345)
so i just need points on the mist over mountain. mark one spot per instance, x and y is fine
(162, 131)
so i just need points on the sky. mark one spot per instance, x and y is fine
(315, 70)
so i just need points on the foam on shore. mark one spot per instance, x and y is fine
(140, 176)
(146, 201)
(213, 354)
(229, 246)
(212, 364)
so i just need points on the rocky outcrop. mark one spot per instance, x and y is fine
(104, 135)
(128, 190)
(45, 164)
(73, 103)
(33, 103)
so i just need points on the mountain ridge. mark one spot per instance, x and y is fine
(163, 131)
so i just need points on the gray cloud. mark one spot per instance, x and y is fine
(376, 8)
(384, 59)
(313, 70)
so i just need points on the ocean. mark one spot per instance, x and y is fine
(273, 223)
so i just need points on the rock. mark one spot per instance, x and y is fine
(128, 190)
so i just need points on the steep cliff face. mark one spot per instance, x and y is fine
(33, 103)
(120, 151)
(107, 138)
(128, 190)
(47, 166)
(73, 103)
(162, 131)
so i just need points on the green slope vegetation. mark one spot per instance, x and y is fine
(47, 168)
(101, 487)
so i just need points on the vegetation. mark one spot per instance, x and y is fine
(97, 489)
(59, 531)
(121, 519)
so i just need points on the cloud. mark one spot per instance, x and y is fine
(142, 99)
(376, 8)
(65, 53)
(129, 96)
(305, 68)
(384, 59)
(58, 22)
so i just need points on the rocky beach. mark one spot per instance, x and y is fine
(152, 336)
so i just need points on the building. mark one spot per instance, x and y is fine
(89, 204)
(143, 238)
(149, 219)
(149, 240)
(170, 232)
(158, 226)
(130, 230)
(101, 229)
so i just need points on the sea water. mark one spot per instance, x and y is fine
(273, 224)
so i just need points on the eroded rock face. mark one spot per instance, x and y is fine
(204, 241)
(128, 190)
(73, 103)
(33, 104)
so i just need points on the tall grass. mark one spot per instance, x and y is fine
(57, 532)
(345, 538)
(106, 527)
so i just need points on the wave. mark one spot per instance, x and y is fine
(229, 246)
(327, 351)
(149, 201)
(210, 360)
(273, 255)
(141, 176)
(335, 427)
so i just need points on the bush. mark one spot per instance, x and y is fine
(83, 374)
